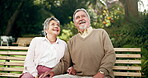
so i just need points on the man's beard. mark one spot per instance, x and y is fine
(82, 27)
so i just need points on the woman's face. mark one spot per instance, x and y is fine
(53, 28)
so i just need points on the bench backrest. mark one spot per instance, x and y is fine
(12, 60)
(128, 62)
(22, 41)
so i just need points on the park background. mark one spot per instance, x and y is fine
(126, 21)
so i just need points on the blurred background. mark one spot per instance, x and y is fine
(126, 21)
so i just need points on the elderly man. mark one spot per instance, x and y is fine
(90, 53)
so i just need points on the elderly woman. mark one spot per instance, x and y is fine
(44, 52)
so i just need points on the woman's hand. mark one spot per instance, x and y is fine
(50, 73)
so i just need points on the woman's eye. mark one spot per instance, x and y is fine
(52, 24)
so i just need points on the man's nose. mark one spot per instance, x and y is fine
(81, 18)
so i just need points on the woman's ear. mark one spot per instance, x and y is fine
(45, 31)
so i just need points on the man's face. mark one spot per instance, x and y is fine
(53, 28)
(81, 21)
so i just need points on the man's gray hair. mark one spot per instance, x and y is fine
(47, 21)
(82, 9)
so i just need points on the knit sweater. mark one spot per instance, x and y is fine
(89, 55)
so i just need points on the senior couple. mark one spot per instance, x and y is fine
(88, 54)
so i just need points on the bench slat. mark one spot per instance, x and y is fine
(130, 74)
(13, 48)
(10, 75)
(127, 49)
(128, 62)
(12, 58)
(128, 56)
(12, 63)
(11, 69)
(13, 53)
(126, 68)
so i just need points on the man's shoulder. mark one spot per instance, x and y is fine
(99, 29)
(75, 36)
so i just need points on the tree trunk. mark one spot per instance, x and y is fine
(12, 19)
(131, 8)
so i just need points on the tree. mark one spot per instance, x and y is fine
(13, 18)
(20, 16)
(131, 8)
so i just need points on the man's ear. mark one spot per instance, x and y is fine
(74, 24)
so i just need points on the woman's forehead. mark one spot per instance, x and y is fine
(53, 21)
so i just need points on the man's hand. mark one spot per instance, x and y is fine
(98, 75)
(71, 71)
(50, 73)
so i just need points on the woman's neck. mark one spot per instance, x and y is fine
(51, 38)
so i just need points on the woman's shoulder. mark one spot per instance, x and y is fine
(61, 41)
(38, 38)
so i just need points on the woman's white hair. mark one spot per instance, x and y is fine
(82, 9)
(47, 21)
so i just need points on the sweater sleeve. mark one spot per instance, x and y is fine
(64, 63)
(109, 58)
(29, 64)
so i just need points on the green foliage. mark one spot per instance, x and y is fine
(105, 17)
(129, 33)
(66, 34)
(145, 61)
(68, 30)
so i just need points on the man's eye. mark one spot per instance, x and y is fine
(77, 17)
(83, 16)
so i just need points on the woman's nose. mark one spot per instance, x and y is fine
(56, 26)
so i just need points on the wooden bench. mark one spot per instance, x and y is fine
(127, 64)
(23, 41)
(12, 60)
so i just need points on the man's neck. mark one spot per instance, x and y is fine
(82, 31)
(86, 32)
